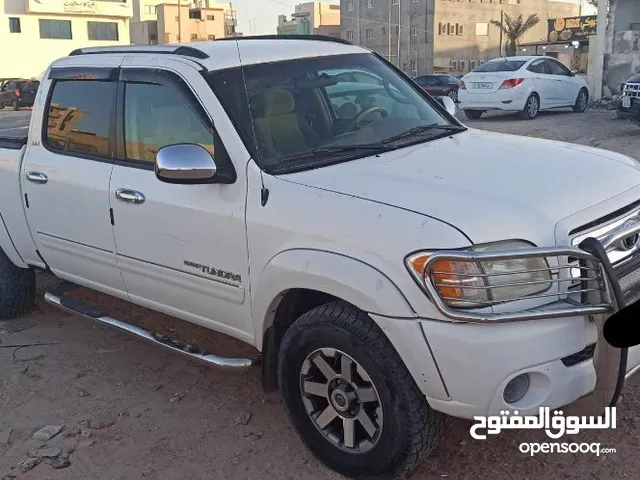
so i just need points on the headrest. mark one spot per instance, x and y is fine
(273, 103)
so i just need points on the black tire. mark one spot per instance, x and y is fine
(410, 428)
(531, 107)
(17, 288)
(473, 114)
(16, 105)
(582, 101)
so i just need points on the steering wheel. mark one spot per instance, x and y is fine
(355, 123)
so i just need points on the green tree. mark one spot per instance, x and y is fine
(514, 29)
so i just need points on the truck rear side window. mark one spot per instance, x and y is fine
(78, 117)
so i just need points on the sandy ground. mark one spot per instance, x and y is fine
(132, 410)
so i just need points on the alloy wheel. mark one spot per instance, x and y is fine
(453, 95)
(341, 400)
(582, 101)
(532, 106)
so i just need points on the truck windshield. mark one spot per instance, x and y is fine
(301, 113)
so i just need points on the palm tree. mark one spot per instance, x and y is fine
(514, 29)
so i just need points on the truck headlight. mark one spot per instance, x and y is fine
(476, 284)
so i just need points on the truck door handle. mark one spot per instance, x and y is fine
(37, 177)
(129, 196)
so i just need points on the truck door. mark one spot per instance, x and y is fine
(66, 172)
(182, 249)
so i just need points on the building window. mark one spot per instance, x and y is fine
(78, 117)
(102, 31)
(451, 29)
(396, 2)
(368, 33)
(384, 32)
(350, 35)
(195, 14)
(462, 65)
(194, 36)
(482, 29)
(371, 3)
(55, 29)
(413, 65)
(211, 37)
(151, 9)
(459, 29)
(351, 6)
(442, 28)
(14, 25)
(414, 30)
(211, 17)
(397, 29)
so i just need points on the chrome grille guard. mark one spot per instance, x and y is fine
(595, 295)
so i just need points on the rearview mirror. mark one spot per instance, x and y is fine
(448, 104)
(185, 163)
(573, 73)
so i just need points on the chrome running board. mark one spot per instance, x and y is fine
(74, 306)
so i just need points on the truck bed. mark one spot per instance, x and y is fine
(12, 215)
(13, 143)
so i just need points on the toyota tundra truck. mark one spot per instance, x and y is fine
(392, 266)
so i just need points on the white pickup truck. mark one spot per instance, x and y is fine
(391, 265)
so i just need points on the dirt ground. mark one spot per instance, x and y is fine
(132, 410)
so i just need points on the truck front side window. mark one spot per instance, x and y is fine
(156, 116)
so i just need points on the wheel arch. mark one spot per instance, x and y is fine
(296, 281)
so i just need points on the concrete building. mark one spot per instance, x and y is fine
(158, 21)
(465, 37)
(422, 36)
(311, 18)
(33, 33)
(622, 45)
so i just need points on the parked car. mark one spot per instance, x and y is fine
(18, 93)
(391, 270)
(522, 84)
(437, 85)
(629, 102)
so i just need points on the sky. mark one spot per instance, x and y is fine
(260, 17)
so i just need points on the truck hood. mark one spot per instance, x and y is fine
(490, 186)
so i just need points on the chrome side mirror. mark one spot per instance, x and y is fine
(185, 163)
(448, 104)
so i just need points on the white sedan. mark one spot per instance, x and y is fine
(522, 84)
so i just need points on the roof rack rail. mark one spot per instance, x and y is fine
(161, 49)
(322, 38)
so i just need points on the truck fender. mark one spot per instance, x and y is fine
(353, 281)
(339, 275)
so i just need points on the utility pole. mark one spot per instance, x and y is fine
(399, 11)
(358, 21)
(179, 21)
(501, 27)
(409, 39)
(389, 32)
